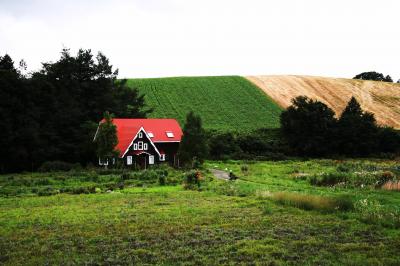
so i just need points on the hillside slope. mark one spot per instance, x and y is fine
(224, 103)
(380, 98)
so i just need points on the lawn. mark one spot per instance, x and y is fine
(226, 103)
(227, 222)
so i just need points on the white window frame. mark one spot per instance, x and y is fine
(140, 135)
(145, 146)
(129, 160)
(135, 146)
(140, 145)
(162, 157)
(170, 134)
(151, 135)
(151, 159)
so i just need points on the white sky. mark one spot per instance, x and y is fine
(154, 38)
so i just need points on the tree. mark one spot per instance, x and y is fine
(106, 139)
(193, 146)
(53, 113)
(357, 131)
(307, 125)
(372, 75)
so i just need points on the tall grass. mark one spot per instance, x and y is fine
(312, 202)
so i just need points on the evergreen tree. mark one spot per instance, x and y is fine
(307, 125)
(193, 146)
(357, 132)
(106, 139)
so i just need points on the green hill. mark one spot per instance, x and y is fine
(224, 103)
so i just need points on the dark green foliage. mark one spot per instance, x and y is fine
(53, 114)
(106, 139)
(54, 166)
(372, 75)
(311, 129)
(307, 126)
(222, 145)
(193, 146)
(261, 144)
(356, 131)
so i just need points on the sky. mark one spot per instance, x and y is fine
(159, 38)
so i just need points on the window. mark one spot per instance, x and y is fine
(135, 146)
(140, 135)
(145, 146)
(140, 145)
(151, 135)
(170, 134)
(151, 159)
(162, 157)
(129, 160)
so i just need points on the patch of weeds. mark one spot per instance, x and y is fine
(373, 212)
(313, 202)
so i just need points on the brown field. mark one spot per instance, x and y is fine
(380, 98)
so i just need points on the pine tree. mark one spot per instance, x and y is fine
(106, 139)
(193, 147)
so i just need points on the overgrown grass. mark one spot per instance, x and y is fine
(241, 105)
(313, 202)
(270, 215)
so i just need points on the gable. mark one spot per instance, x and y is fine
(157, 128)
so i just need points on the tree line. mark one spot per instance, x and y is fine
(311, 129)
(52, 114)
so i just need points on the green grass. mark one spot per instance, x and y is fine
(239, 222)
(224, 103)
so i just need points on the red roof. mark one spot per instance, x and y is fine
(128, 128)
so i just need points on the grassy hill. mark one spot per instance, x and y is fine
(380, 98)
(224, 103)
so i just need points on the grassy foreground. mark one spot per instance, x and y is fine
(224, 103)
(243, 222)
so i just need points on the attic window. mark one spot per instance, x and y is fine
(170, 134)
(151, 135)
(140, 135)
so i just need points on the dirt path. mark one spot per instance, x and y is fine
(220, 174)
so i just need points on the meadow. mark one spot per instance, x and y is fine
(273, 214)
(226, 103)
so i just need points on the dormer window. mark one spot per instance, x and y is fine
(170, 134)
(151, 135)
(140, 135)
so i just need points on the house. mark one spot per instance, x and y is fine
(144, 142)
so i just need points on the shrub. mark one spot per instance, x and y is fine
(312, 202)
(161, 180)
(372, 212)
(245, 169)
(192, 180)
(53, 166)
(126, 176)
(329, 179)
(48, 191)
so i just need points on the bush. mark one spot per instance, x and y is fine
(192, 180)
(48, 191)
(329, 179)
(54, 166)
